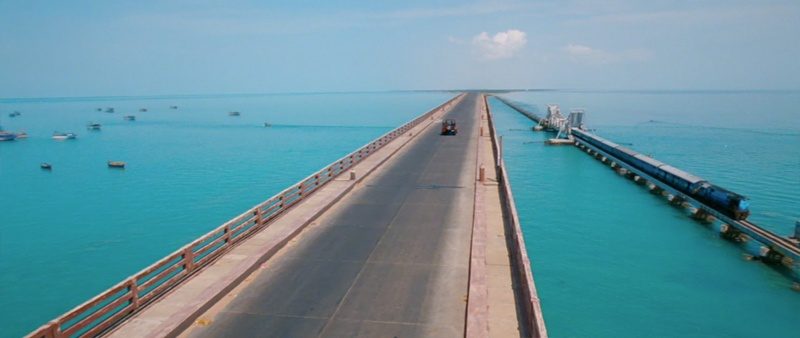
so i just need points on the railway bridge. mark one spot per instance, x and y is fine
(413, 235)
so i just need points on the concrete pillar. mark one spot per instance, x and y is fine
(482, 174)
(481, 130)
(763, 251)
(797, 229)
(352, 175)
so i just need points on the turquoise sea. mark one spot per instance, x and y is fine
(68, 234)
(612, 260)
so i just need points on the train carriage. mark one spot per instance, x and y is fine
(718, 198)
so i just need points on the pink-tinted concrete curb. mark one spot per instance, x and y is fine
(477, 320)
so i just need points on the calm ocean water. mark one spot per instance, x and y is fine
(612, 260)
(69, 234)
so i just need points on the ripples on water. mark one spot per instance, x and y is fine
(68, 234)
(612, 260)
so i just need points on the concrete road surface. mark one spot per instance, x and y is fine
(389, 260)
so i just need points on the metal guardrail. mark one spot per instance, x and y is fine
(114, 305)
(519, 252)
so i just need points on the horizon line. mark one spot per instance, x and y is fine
(487, 90)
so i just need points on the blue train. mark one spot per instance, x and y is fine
(725, 201)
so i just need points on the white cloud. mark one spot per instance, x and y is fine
(502, 45)
(588, 55)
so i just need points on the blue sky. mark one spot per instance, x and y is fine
(88, 48)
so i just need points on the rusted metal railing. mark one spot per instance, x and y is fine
(135, 292)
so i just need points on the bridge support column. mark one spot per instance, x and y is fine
(729, 232)
(676, 201)
(703, 215)
(769, 256)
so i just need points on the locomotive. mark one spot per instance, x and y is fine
(720, 199)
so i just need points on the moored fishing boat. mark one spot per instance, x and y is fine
(46, 166)
(116, 164)
(22, 135)
(129, 118)
(6, 136)
(93, 126)
(234, 113)
(64, 136)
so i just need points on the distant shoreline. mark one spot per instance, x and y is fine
(486, 90)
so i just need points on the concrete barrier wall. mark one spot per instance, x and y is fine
(521, 262)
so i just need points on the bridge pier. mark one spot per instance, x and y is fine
(703, 215)
(731, 233)
(675, 200)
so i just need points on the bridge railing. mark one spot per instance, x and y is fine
(519, 254)
(114, 305)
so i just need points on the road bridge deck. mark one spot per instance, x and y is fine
(390, 259)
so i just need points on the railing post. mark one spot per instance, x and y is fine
(53, 330)
(227, 234)
(188, 259)
(257, 219)
(134, 290)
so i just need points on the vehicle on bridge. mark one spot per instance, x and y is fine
(449, 127)
(725, 201)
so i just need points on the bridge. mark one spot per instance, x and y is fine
(413, 235)
(780, 251)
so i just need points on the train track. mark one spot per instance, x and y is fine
(782, 242)
(776, 243)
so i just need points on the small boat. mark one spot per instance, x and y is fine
(267, 124)
(6, 136)
(22, 135)
(116, 164)
(64, 136)
(142, 109)
(234, 113)
(129, 118)
(14, 114)
(46, 166)
(99, 109)
(93, 126)
(173, 107)
(109, 110)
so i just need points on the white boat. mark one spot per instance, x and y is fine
(6, 136)
(64, 136)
